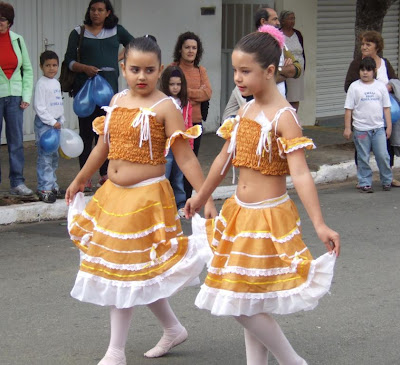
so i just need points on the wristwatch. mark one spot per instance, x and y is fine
(279, 68)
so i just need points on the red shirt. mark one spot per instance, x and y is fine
(8, 58)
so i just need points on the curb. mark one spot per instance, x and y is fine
(36, 212)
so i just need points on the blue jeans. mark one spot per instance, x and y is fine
(13, 116)
(47, 163)
(175, 176)
(374, 140)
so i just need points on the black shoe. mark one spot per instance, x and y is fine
(366, 189)
(386, 187)
(47, 196)
(59, 193)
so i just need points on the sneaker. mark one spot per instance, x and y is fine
(59, 193)
(366, 189)
(47, 196)
(181, 213)
(386, 187)
(102, 180)
(88, 187)
(396, 183)
(21, 190)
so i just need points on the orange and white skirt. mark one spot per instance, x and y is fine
(133, 251)
(260, 262)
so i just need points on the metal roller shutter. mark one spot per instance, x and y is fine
(335, 46)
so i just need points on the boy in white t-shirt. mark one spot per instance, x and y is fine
(48, 105)
(367, 101)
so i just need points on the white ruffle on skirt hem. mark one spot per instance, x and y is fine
(230, 303)
(140, 272)
(305, 297)
(96, 290)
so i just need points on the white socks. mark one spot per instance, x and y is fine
(174, 332)
(120, 323)
(262, 329)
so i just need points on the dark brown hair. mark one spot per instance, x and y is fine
(174, 71)
(7, 11)
(373, 37)
(179, 43)
(263, 46)
(48, 55)
(145, 44)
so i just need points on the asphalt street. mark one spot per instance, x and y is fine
(357, 324)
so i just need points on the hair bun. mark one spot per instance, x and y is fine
(151, 37)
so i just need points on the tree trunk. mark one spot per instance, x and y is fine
(369, 16)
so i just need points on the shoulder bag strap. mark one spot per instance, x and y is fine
(78, 57)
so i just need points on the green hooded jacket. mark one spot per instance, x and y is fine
(17, 85)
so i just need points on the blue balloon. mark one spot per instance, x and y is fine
(102, 91)
(84, 104)
(394, 109)
(50, 140)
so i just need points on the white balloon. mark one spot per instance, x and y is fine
(71, 143)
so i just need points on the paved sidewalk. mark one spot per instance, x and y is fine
(332, 161)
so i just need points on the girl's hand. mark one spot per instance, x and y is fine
(72, 190)
(209, 209)
(192, 206)
(330, 238)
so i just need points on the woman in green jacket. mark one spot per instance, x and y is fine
(16, 83)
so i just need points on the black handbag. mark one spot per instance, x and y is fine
(204, 105)
(67, 77)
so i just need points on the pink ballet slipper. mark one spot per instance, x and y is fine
(113, 356)
(170, 339)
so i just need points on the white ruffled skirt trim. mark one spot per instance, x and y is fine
(305, 297)
(126, 294)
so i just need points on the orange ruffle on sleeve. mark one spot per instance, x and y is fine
(191, 133)
(289, 145)
(98, 125)
(225, 131)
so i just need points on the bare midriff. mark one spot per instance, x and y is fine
(254, 187)
(127, 173)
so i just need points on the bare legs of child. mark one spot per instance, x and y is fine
(174, 332)
(263, 334)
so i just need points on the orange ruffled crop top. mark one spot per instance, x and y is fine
(135, 135)
(254, 144)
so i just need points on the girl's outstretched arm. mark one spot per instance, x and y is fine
(214, 178)
(305, 187)
(93, 163)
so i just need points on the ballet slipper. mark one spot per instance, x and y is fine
(113, 356)
(170, 339)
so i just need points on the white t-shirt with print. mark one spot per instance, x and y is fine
(367, 102)
(48, 102)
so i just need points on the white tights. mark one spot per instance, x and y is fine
(174, 332)
(263, 334)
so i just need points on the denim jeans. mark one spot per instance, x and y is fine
(374, 140)
(175, 176)
(13, 116)
(47, 163)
